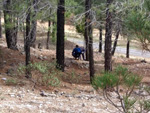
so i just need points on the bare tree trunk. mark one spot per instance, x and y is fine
(24, 36)
(128, 46)
(90, 32)
(60, 34)
(11, 38)
(34, 23)
(108, 35)
(115, 42)
(0, 24)
(86, 38)
(100, 40)
(28, 44)
(48, 34)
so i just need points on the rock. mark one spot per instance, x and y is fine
(23, 53)
(45, 57)
(52, 95)
(43, 94)
(87, 66)
(40, 57)
(11, 94)
(67, 63)
(143, 61)
(4, 79)
(83, 105)
(19, 95)
(12, 64)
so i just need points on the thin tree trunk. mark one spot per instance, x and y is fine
(128, 46)
(115, 42)
(108, 35)
(100, 40)
(11, 39)
(24, 36)
(90, 32)
(0, 24)
(60, 34)
(34, 24)
(86, 38)
(28, 44)
(15, 28)
(48, 34)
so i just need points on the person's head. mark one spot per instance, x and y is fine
(77, 46)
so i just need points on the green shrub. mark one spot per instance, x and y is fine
(107, 80)
(11, 81)
(121, 77)
(48, 75)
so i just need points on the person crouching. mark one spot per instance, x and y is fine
(76, 52)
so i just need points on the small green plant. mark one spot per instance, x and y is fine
(44, 73)
(114, 81)
(74, 77)
(11, 81)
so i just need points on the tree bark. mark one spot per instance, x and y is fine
(86, 38)
(48, 34)
(128, 47)
(11, 38)
(34, 23)
(88, 33)
(100, 40)
(108, 35)
(115, 42)
(28, 44)
(60, 35)
(0, 24)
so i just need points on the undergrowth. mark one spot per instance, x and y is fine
(44, 73)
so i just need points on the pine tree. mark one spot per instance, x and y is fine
(60, 34)
(108, 35)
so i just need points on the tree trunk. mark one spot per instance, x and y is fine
(60, 35)
(91, 59)
(34, 23)
(128, 46)
(108, 35)
(100, 40)
(48, 34)
(86, 38)
(0, 24)
(11, 39)
(28, 44)
(115, 42)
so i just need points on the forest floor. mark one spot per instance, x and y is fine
(74, 94)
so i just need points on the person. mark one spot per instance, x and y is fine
(82, 52)
(76, 52)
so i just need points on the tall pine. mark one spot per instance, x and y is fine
(60, 35)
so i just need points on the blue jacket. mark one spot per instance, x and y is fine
(76, 50)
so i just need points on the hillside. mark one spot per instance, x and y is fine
(73, 94)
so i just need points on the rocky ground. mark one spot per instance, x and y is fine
(27, 100)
